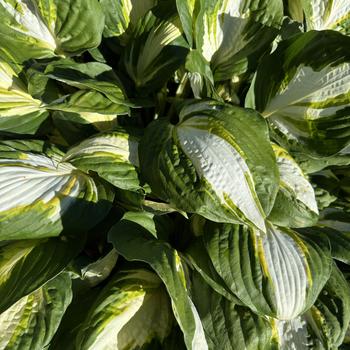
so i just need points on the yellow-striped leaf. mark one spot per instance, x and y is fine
(41, 196)
(130, 312)
(217, 162)
(113, 155)
(33, 320)
(295, 204)
(20, 113)
(303, 88)
(278, 273)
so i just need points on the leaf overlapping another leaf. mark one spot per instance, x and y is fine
(174, 174)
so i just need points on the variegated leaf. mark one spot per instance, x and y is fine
(156, 49)
(19, 112)
(140, 237)
(327, 14)
(303, 89)
(221, 164)
(33, 320)
(185, 9)
(45, 28)
(98, 271)
(94, 88)
(123, 14)
(314, 103)
(113, 155)
(72, 128)
(216, 162)
(278, 273)
(325, 324)
(130, 312)
(329, 317)
(294, 335)
(39, 195)
(230, 33)
(33, 262)
(295, 204)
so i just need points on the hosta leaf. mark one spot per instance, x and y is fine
(294, 335)
(93, 87)
(217, 162)
(295, 204)
(200, 75)
(123, 14)
(40, 195)
(339, 240)
(327, 180)
(230, 326)
(303, 89)
(327, 14)
(279, 273)
(113, 155)
(19, 112)
(74, 317)
(32, 321)
(329, 317)
(295, 10)
(325, 324)
(45, 28)
(130, 312)
(98, 271)
(70, 128)
(155, 51)
(134, 241)
(33, 263)
(185, 9)
(232, 34)
(199, 258)
(100, 122)
(335, 218)
(312, 164)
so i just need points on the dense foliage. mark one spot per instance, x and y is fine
(174, 174)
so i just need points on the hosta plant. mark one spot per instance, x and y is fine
(174, 174)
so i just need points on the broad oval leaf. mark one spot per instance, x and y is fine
(135, 239)
(113, 155)
(40, 196)
(217, 162)
(278, 274)
(20, 113)
(130, 312)
(45, 28)
(33, 263)
(303, 89)
(233, 34)
(33, 320)
(295, 204)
